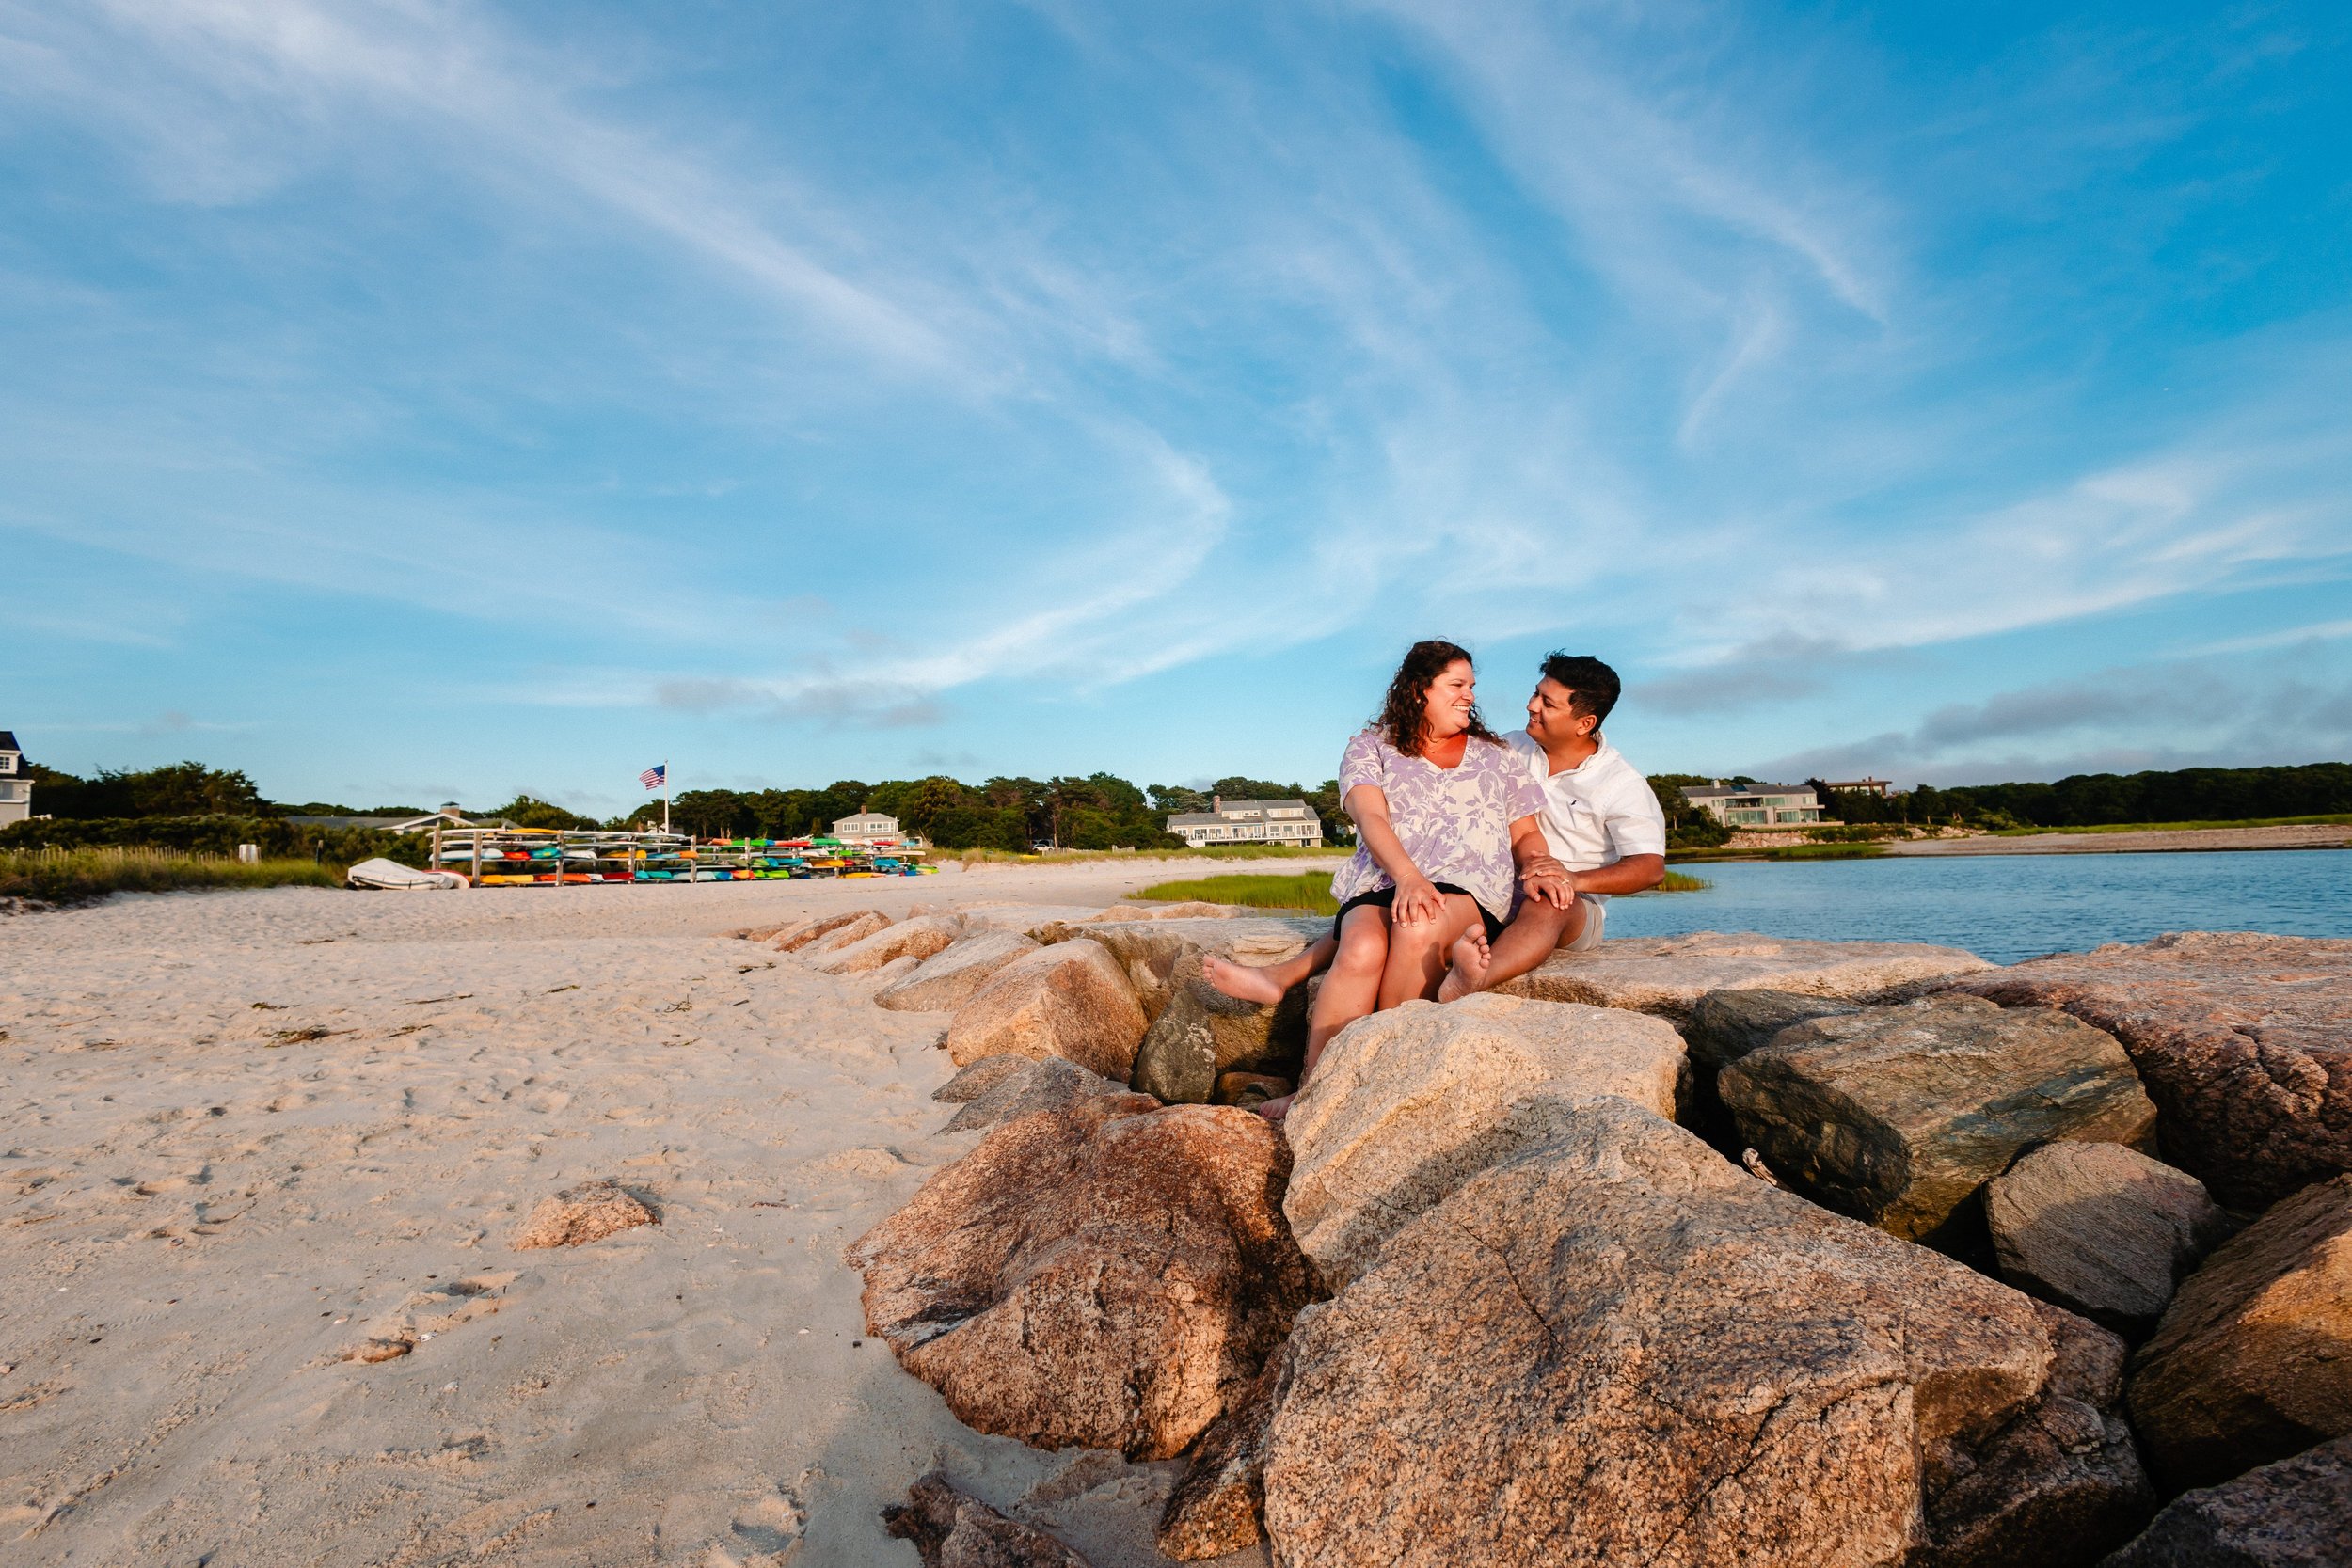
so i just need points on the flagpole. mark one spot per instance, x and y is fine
(665, 795)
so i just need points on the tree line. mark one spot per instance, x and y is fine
(2110, 800)
(1101, 811)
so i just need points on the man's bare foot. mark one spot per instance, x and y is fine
(1276, 1109)
(1241, 982)
(1471, 957)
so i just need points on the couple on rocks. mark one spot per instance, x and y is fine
(1477, 856)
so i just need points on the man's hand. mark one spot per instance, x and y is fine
(1555, 886)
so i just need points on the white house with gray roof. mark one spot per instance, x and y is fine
(1292, 822)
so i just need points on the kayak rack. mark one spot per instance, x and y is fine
(553, 857)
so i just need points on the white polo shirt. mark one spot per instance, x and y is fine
(1596, 812)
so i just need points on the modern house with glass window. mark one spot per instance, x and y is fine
(16, 789)
(1755, 806)
(1293, 822)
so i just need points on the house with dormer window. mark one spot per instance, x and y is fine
(1292, 822)
(16, 788)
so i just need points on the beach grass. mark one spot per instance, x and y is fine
(1307, 890)
(2332, 820)
(78, 876)
(1786, 853)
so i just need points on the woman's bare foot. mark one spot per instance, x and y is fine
(1276, 1109)
(1470, 958)
(1242, 983)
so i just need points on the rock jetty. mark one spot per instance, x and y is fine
(1488, 1297)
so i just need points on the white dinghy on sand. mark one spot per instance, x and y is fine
(391, 874)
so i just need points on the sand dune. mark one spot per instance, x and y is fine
(262, 1158)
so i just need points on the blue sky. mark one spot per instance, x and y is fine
(409, 401)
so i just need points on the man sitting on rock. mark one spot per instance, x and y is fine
(1600, 820)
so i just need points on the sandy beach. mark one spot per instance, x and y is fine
(246, 1134)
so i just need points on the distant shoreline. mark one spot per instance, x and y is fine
(2284, 837)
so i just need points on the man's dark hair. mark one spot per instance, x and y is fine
(1595, 684)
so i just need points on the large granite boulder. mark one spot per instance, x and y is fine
(1030, 1087)
(1617, 1348)
(917, 939)
(1110, 1274)
(954, 1529)
(2296, 1513)
(1180, 909)
(1197, 1032)
(1157, 956)
(1068, 1000)
(795, 935)
(2253, 1359)
(948, 979)
(2244, 1043)
(1669, 975)
(1726, 1026)
(2101, 1229)
(857, 928)
(1408, 1104)
(1900, 1116)
(1218, 1505)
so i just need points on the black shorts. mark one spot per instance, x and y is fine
(1386, 897)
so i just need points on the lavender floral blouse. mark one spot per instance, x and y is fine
(1455, 822)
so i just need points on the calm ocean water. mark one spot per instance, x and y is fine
(2009, 907)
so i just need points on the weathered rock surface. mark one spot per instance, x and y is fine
(1219, 1505)
(1250, 1088)
(1668, 975)
(971, 1083)
(1408, 1104)
(1184, 908)
(948, 979)
(1112, 1273)
(918, 937)
(2296, 1513)
(855, 929)
(2253, 1360)
(2244, 1043)
(2101, 1229)
(954, 1529)
(578, 1215)
(1027, 919)
(795, 935)
(1202, 1034)
(1068, 1000)
(1157, 954)
(1617, 1348)
(1726, 1026)
(1047, 1085)
(1900, 1116)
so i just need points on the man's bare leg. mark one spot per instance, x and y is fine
(1417, 952)
(1267, 984)
(1534, 935)
(1348, 991)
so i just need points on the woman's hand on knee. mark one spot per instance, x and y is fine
(1418, 902)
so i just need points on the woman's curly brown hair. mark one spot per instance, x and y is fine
(1401, 713)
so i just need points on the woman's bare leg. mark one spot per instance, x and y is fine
(1417, 952)
(1267, 984)
(1348, 991)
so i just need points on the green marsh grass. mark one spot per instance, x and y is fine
(78, 876)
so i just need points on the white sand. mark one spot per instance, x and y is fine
(201, 1213)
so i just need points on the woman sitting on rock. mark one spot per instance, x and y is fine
(1438, 801)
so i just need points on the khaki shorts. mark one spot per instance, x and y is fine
(1595, 916)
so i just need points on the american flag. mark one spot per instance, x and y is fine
(654, 777)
